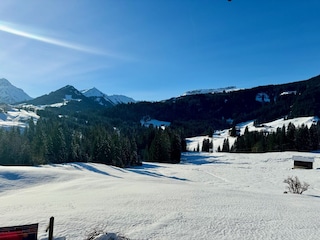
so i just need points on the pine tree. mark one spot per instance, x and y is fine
(291, 134)
(226, 145)
(175, 148)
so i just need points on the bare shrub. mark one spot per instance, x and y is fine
(99, 234)
(295, 186)
(93, 234)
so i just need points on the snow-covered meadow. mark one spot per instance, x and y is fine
(207, 196)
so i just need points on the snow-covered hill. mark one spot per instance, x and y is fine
(207, 196)
(213, 90)
(15, 117)
(10, 94)
(102, 98)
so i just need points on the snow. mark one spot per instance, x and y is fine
(15, 117)
(206, 196)
(154, 122)
(288, 93)
(11, 94)
(212, 91)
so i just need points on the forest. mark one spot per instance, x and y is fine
(62, 140)
(291, 138)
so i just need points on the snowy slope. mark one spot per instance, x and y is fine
(14, 117)
(213, 90)
(10, 94)
(207, 196)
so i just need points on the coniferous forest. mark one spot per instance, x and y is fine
(290, 138)
(62, 139)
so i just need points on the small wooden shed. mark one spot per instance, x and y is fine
(303, 162)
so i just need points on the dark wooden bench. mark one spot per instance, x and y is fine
(23, 232)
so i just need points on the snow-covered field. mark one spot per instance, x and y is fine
(207, 196)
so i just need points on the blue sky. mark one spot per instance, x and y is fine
(157, 49)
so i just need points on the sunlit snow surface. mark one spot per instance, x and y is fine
(207, 196)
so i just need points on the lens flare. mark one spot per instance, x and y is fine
(17, 30)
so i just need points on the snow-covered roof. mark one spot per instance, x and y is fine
(303, 159)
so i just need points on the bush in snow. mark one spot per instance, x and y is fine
(295, 186)
(93, 234)
(98, 234)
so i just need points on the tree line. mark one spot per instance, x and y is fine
(60, 140)
(290, 138)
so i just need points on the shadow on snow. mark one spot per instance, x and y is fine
(90, 168)
(144, 171)
(196, 158)
(10, 176)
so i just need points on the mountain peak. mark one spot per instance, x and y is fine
(92, 92)
(4, 82)
(10, 94)
(100, 97)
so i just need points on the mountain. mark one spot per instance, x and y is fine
(104, 99)
(10, 94)
(198, 113)
(68, 98)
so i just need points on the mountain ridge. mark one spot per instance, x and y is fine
(9, 94)
(196, 113)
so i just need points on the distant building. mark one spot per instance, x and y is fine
(303, 162)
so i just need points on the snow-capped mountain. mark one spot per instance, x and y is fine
(103, 98)
(10, 94)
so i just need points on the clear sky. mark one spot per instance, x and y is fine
(157, 49)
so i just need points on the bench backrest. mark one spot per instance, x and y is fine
(23, 232)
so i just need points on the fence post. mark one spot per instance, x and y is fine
(50, 228)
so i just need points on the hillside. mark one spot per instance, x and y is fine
(198, 113)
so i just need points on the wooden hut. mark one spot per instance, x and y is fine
(303, 162)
